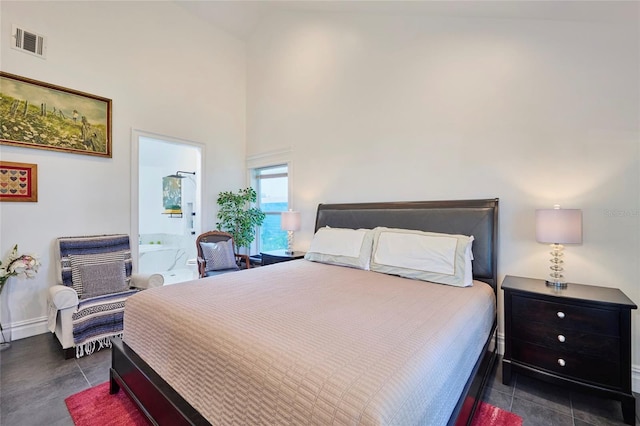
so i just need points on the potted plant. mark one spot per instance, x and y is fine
(237, 217)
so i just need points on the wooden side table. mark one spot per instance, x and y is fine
(579, 337)
(277, 256)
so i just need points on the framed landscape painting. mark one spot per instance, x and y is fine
(34, 114)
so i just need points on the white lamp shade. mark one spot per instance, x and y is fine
(290, 221)
(559, 226)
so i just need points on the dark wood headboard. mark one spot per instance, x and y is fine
(467, 217)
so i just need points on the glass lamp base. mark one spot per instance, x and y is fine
(289, 249)
(556, 284)
(557, 279)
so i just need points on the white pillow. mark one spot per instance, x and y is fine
(427, 256)
(340, 246)
(468, 268)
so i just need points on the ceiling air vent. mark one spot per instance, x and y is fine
(29, 42)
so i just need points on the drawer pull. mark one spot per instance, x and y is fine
(561, 362)
(560, 314)
(561, 338)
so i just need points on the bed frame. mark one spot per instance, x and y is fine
(163, 405)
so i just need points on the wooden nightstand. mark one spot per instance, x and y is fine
(277, 256)
(578, 337)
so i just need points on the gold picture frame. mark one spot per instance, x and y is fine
(18, 181)
(35, 114)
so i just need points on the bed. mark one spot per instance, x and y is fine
(307, 342)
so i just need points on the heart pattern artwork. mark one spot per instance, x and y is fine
(14, 182)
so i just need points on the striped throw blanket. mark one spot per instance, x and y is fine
(98, 318)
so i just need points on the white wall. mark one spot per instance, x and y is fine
(166, 72)
(535, 112)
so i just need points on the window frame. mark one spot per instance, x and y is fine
(280, 158)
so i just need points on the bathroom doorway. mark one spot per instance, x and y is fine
(166, 198)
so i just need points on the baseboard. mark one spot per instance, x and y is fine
(635, 378)
(635, 369)
(500, 343)
(27, 328)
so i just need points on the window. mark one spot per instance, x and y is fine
(272, 186)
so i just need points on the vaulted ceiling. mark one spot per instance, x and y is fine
(239, 17)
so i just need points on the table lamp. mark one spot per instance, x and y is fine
(290, 221)
(558, 226)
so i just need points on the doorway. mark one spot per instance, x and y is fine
(166, 197)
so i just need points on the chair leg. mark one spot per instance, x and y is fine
(69, 353)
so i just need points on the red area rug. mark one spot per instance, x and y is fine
(488, 415)
(95, 406)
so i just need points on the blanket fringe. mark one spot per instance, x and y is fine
(90, 347)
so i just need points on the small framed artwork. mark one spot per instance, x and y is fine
(40, 115)
(172, 196)
(18, 181)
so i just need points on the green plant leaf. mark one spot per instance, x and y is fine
(237, 217)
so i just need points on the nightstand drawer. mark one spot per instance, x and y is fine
(596, 370)
(567, 316)
(572, 341)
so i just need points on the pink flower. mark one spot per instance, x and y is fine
(23, 266)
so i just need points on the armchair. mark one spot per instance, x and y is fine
(216, 255)
(86, 306)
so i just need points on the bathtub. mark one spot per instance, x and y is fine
(168, 260)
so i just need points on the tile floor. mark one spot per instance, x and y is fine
(35, 380)
(543, 404)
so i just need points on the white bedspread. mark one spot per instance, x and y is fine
(307, 343)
